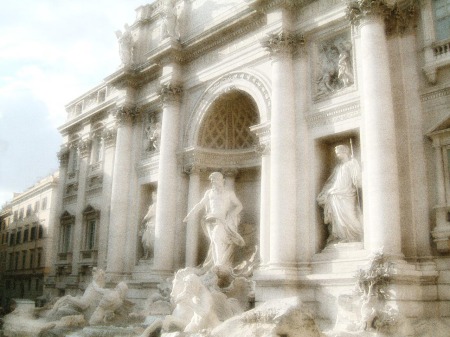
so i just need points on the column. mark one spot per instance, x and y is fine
(167, 180)
(63, 157)
(84, 148)
(193, 224)
(120, 192)
(380, 171)
(262, 131)
(283, 202)
(109, 140)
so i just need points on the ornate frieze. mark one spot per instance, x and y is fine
(169, 93)
(282, 42)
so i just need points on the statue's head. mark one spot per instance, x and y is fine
(342, 152)
(216, 178)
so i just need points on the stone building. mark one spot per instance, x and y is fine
(263, 91)
(27, 223)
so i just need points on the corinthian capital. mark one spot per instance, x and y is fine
(109, 137)
(169, 93)
(63, 156)
(125, 114)
(282, 42)
(84, 147)
(399, 15)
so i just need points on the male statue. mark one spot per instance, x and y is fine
(220, 222)
(148, 230)
(339, 199)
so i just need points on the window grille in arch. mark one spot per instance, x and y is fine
(227, 123)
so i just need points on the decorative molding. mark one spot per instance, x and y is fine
(262, 131)
(334, 115)
(148, 166)
(282, 42)
(435, 94)
(169, 93)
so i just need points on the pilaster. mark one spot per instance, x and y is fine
(193, 224)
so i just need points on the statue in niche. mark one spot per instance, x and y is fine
(169, 26)
(336, 69)
(153, 136)
(125, 40)
(148, 230)
(340, 201)
(220, 222)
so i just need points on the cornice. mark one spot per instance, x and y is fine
(331, 116)
(265, 6)
(134, 76)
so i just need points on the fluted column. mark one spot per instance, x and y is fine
(380, 168)
(84, 148)
(167, 180)
(193, 224)
(282, 157)
(120, 192)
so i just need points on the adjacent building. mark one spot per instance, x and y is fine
(26, 229)
(263, 91)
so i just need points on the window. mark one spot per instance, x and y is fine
(65, 234)
(16, 215)
(24, 259)
(90, 234)
(36, 206)
(33, 233)
(41, 231)
(16, 261)
(91, 217)
(29, 210)
(39, 257)
(442, 17)
(44, 203)
(73, 160)
(11, 261)
(31, 263)
(21, 213)
(25, 235)
(18, 237)
(12, 239)
(101, 96)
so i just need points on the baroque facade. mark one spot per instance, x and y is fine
(27, 223)
(263, 91)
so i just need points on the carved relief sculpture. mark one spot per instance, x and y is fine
(148, 230)
(339, 199)
(152, 135)
(125, 40)
(169, 27)
(220, 223)
(335, 66)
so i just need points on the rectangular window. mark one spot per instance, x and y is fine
(16, 261)
(21, 213)
(90, 234)
(18, 237)
(33, 233)
(39, 258)
(12, 239)
(11, 261)
(44, 203)
(25, 235)
(31, 263)
(41, 231)
(29, 210)
(16, 215)
(24, 259)
(66, 237)
(442, 17)
(36, 206)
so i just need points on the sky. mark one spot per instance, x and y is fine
(51, 52)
